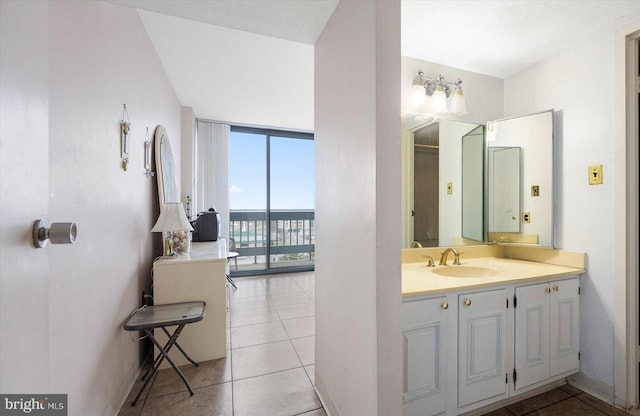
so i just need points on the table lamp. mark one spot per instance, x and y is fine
(172, 219)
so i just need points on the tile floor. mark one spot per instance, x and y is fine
(269, 368)
(563, 401)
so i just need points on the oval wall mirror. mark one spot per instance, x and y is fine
(165, 170)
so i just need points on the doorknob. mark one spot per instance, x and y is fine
(57, 233)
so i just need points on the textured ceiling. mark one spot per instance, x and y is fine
(502, 38)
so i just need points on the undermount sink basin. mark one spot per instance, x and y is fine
(465, 271)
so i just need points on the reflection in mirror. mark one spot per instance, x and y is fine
(533, 135)
(426, 154)
(504, 189)
(434, 183)
(165, 171)
(472, 185)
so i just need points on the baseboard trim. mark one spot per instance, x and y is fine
(121, 396)
(329, 407)
(593, 386)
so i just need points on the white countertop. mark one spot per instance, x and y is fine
(200, 252)
(418, 279)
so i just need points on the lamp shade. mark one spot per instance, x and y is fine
(172, 218)
(458, 104)
(439, 101)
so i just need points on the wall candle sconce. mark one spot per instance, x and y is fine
(57, 233)
(125, 127)
(147, 155)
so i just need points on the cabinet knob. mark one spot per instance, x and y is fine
(445, 305)
(547, 290)
(467, 302)
(556, 288)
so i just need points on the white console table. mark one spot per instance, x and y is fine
(199, 275)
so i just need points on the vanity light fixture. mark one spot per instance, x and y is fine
(430, 95)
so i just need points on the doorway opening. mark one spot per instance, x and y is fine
(271, 200)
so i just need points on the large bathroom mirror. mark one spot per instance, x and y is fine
(165, 170)
(519, 179)
(482, 184)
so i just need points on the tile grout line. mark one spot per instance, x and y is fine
(272, 305)
(559, 401)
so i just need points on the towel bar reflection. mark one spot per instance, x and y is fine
(57, 233)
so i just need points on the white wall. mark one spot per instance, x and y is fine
(584, 214)
(98, 58)
(24, 197)
(234, 76)
(358, 287)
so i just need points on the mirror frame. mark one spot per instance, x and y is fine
(165, 169)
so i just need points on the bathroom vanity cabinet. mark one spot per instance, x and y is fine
(482, 345)
(546, 331)
(426, 323)
(467, 349)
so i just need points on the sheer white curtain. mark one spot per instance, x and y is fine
(212, 178)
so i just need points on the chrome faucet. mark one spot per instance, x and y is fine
(443, 257)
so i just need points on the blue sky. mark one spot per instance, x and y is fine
(292, 172)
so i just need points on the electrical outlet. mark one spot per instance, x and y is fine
(526, 217)
(449, 188)
(535, 190)
(595, 175)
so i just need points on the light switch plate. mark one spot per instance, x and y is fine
(595, 175)
(535, 190)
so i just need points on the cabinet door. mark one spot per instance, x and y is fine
(424, 324)
(481, 346)
(564, 326)
(531, 334)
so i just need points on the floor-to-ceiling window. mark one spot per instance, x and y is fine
(271, 186)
